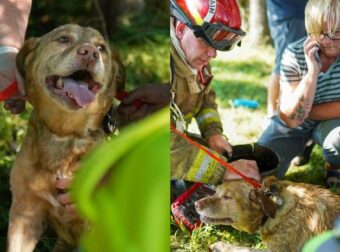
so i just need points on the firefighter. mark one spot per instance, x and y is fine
(198, 28)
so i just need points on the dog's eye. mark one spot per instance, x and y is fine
(101, 48)
(63, 40)
(226, 197)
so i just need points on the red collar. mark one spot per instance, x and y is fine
(9, 91)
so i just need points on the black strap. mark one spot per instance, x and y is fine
(108, 124)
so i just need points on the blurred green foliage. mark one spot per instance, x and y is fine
(129, 21)
(122, 188)
(48, 14)
(146, 63)
(12, 132)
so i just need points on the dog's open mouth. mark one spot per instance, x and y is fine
(78, 88)
(221, 221)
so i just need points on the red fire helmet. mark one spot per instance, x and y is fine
(218, 22)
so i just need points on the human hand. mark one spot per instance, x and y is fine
(312, 53)
(246, 167)
(153, 97)
(63, 185)
(220, 144)
(16, 104)
(9, 74)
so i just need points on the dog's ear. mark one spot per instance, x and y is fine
(120, 77)
(25, 56)
(268, 206)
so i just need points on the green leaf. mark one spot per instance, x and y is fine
(123, 189)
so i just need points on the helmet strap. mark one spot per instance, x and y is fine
(204, 69)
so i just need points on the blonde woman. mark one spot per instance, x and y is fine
(309, 105)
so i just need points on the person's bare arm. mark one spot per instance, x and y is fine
(325, 111)
(296, 99)
(13, 22)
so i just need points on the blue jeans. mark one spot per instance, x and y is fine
(290, 142)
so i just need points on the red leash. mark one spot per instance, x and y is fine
(9, 91)
(218, 159)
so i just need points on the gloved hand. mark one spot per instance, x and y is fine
(246, 167)
(220, 144)
(153, 97)
(8, 74)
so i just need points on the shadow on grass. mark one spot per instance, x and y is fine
(229, 89)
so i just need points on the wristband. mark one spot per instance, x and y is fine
(7, 49)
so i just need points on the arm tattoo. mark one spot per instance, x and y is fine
(302, 111)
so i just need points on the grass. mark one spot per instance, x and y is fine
(242, 73)
(200, 238)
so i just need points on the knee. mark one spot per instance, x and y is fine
(331, 147)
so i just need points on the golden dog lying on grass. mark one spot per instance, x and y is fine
(285, 214)
(71, 79)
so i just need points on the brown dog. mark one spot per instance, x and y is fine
(286, 214)
(71, 79)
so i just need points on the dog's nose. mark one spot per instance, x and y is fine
(88, 52)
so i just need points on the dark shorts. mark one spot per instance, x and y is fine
(284, 33)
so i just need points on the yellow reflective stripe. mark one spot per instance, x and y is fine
(208, 121)
(188, 116)
(202, 169)
(207, 116)
(191, 174)
(194, 13)
(207, 111)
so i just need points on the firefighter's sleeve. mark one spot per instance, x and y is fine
(190, 163)
(207, 118)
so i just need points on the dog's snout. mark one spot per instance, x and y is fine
(88, 52)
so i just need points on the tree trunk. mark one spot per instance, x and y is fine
(258, 26)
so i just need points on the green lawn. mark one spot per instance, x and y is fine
(242, 73)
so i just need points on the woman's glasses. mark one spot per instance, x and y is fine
(322, 36)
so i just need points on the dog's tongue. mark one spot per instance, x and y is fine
(78, 91)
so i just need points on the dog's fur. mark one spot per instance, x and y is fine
(306, 210)
(63, 127)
